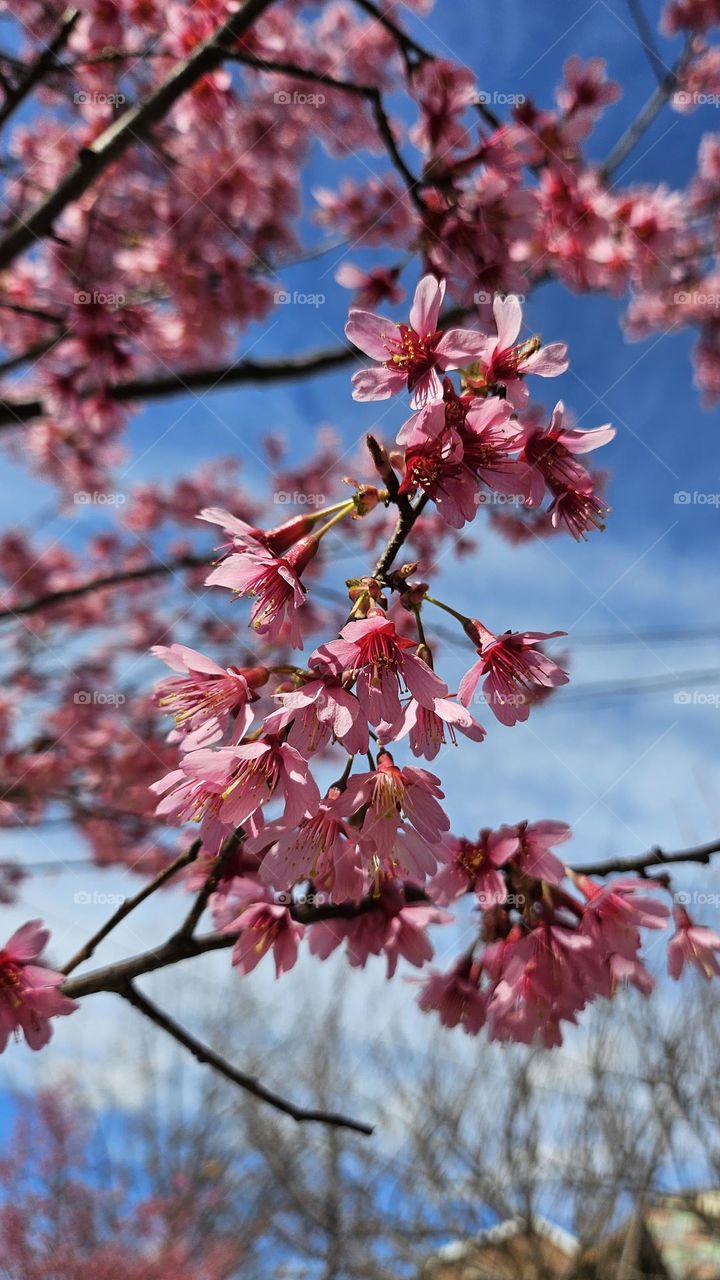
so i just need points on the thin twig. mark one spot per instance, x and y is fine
(37, 70)
(208, 1056)
(647, 40)
(124, 132)
(53, 598)
(212, 880)
(645, 117)
(130, 904)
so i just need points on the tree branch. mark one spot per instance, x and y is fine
(37, 70)
(208, 1057)
(645, 117)
(53, 598)
(130, 904)
(130, 127)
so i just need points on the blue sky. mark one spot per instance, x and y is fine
(627, 772)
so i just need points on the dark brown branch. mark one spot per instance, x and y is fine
(406, 519)
(653, 858)
(130, 904)
(207, 1056)
(129, 128)
(369, 92)
(38, 69)
(112, 977)
(215, 378)
(212, 881)
(153, 570)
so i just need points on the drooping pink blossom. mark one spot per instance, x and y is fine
(317, 711)
(371, 652)
(403, 822)
(512, 665)
(475, 864)
(275, 583)
(29, 993)
(393, 927)
(206, 697)
(265, 926)
(693, 944)
(411, 354)
(551, 456)
(456, 998)
(615, 912)
(322, 847)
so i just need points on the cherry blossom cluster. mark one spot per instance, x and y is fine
(151, 276)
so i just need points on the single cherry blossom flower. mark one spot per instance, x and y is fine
(550, 456)
(456, 998)
(393, 927)
(504, 363)
(29, 993)
(322, 847)
(206, 697)
(513, 666)
(402, 819)
(692, 944)
(411, 354)
(533, 856)
(615, 912)
(377, 658)
(275, 583)
(321, 709)
(265, 926)
(372, 287)
(475, 865)
(427, 726)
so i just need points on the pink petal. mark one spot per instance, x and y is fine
(508, 318)
(370, 333)
(425, 310)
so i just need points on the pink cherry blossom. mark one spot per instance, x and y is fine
(504, 363)
(427, 726)
(208, 697)
(551, 456)
(263, 927)
(533, 856)
(319, 710)
(475, 865)
(274, 582)
(403, 822)
(615, 912)
(373, 654)
(29, 993)
(322, 847)
(513, 666)
(692, 944)
(394, 927)
(456, 998)
(410, 354)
